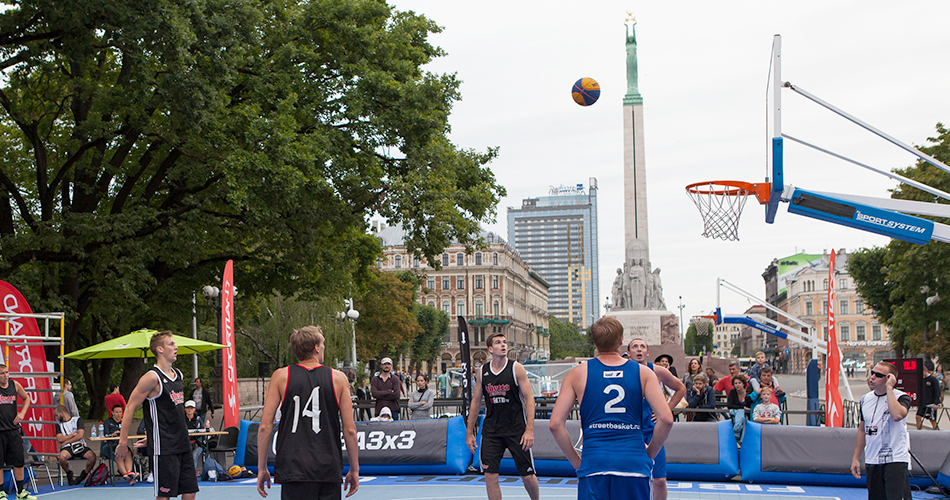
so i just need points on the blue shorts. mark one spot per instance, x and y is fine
(659, 463)
(606, 487)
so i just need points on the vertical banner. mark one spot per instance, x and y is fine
(24, 360)
(229, 384)
(466, 352)
(833, 415)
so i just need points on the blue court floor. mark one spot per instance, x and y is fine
(473, 487)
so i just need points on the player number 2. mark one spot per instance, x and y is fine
(310, 409)
(609, 407)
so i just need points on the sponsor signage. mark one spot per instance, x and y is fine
(864, 217)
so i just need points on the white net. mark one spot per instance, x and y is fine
(702, 327)
(720, 206)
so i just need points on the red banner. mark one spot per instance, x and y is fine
(20, 358)
(229, 385)
(833, 415)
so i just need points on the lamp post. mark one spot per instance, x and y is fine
(212, 295)
(352, 315)
(681, 306)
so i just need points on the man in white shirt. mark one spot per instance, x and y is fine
(882, 435)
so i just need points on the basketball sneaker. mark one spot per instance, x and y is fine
(25, 495)
(3, 495)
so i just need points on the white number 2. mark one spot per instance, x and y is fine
(310, 409)
(609, 407)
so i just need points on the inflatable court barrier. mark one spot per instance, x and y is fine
(696, 451)
(943, 477)
(822, 456)
(434, 446)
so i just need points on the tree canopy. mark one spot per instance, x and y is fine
(896, 280)
(567, 341)
(145, 143)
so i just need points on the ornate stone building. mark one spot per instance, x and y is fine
(492, 288)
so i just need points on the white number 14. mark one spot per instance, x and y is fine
(310, 409)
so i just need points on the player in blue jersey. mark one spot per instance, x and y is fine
(637, 350)
(611, 391)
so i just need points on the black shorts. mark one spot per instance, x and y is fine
(492, 449)
(888, 481)
(75, 452)
(311, 490)
(11, 448)
(174, 474)
(926, 412)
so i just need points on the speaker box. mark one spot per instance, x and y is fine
(263, 369)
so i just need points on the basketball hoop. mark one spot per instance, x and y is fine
(720, 203)
(702, 325)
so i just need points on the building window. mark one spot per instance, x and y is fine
(876, 332)
(461, 308)
(843, 283)
(824, 307)
(445, 259)
(415, 262)
(399, 261)
(825, 330)
(809, 310)
(494, 282)
(430, 283)
(445, 307)
(496, 309)
(858, 306)
(478, 259)
(478, 282)
(478, 308)
(431, 304)
(445, 282)
(824, 284)
(494, 259)
(460, 259)
(859, 332)
(845, 332)
(843, 306)
(460, 283)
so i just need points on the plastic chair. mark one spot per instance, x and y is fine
(227, 443)
(32, 460)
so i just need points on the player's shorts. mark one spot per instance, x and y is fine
(492, 449)
(926, 412)
(659, 463)
(174, 474)
(311, 489)
(605, 487)
(11, 448)
(76, 450)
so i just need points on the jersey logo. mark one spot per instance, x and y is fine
(178, 397)
(613, 374)
(497, 389)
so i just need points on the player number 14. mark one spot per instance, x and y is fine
(310, 409)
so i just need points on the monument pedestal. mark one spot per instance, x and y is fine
(655, 327)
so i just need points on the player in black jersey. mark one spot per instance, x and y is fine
(509, 417)
(162, 392)
(11, 441)
(309, 401)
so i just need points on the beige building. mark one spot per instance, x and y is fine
(492, 288)
(862, 340)
(725, 338)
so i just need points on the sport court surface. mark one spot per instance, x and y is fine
(472, 487)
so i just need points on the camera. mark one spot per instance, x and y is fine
(872, 431)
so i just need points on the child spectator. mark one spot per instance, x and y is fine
(757, 367)
(701, 395)
(767, 412)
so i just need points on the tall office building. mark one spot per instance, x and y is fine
(557, 236)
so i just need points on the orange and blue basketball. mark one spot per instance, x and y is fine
(586, 91)
(235, 471)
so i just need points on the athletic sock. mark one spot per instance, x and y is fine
(19, 484)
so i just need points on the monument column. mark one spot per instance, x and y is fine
(634, 157)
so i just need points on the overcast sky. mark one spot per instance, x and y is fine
(703, 73)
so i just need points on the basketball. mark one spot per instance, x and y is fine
(586, 91)
(235, 471)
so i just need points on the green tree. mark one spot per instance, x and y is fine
(695, 344)
(567, 341)
(387, 324)
(146, 143)
(897, 279)
(737, 350)
(427, 345)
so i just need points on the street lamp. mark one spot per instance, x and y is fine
(681, 306)
(352, 315)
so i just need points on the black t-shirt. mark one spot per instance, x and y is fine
(733, 403)
(504, 409)
(8, 407)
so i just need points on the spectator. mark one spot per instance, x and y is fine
(666, 361)
(194, 422)
(929, 395)
(455, 382)
(776, 395)
(111, 427)
(767, 413)
(444, 384)
(204, 404)
(942, 380)
(386, 389)
(738, 402)
(385, 415)
(711, 377)
(882, 436)
(69, 401)
(725, 385)
(757, 367)
(699, 395)
(69, 433)
(693, 367)
(114, 398)
(420, 400)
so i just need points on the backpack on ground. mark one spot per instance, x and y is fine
(221, 472)
(99, 476)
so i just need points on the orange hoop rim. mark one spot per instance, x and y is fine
(761, 190)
